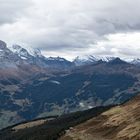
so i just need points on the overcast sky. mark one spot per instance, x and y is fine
(71, 28)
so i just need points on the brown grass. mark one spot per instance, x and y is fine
(29, 124)
(119, 123)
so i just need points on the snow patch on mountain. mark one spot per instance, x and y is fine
(35, 52)
(56, 59)
(136, 61)
(55, 82)
(90, 59)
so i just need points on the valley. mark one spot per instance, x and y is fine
(37, 86)
(118, 122)
(69, 70)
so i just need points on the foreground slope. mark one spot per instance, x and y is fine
(118, 123)
(48, 128)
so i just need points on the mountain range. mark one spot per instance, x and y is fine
(33, 86)
(17, 55)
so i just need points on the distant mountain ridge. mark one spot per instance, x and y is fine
(18, 55)
(35, 57)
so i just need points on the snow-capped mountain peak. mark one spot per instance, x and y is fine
(56, 59)
(136, 61)
(91, 59)
(2, 45)
(35, 52)
(78, 61)
(103, 58)
(21, 52)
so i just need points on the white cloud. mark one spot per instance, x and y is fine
(121, 44)
(72, 27)
(12, 10)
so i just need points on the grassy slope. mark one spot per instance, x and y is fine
(53, 129)
(119, 123)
